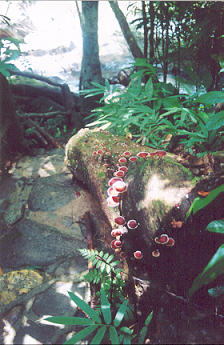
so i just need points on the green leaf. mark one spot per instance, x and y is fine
(105, 307)
(199, 203)
(80, 335)
(149, 88)
(149, 318)
(113, 335)
(85, 307)
(67, 320)
(99, 335)
(127, 340)
(142, 335)
(211, 97)
(214, 268)
(126, 330)
(216, 226)
(216, 121)
(120, 313)
(207, 79)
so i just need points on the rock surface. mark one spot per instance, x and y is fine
(41, 230)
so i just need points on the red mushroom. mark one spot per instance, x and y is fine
(143, 154)
(156, 253)
(119, 173)
(117, 243)
(123, 168)
(123, 255)
(160, 153)
(132, 224)
(163, 239)
(152, 154)
(100, 152)
(122, 160)
(112, 192)
(113, 201)
(120, 220)
(119, 186)
(133, 159)
(116, 233)
(170, 242)
(113, 180)
(127, 153)
(138, 255)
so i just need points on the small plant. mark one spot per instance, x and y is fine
(106, 329)
(105, 272)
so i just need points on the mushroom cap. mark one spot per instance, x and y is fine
(112, 192)
(120, 220)
(117, 243)
(170, 242)
(113, 180)
(123, 255)
(116, 232)
(119, 173)
(163, 239)
(161, 153)
(122, 160)
(119, 186)
(152, 154)
(123, 168)
(112, 201)
(143, 154)
(133, 159)
(138, 255)
(127, 153)
(132, 224)
(156, 253)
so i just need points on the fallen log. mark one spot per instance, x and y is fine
(45, 135)
(160, 243)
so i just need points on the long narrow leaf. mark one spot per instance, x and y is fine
(214, 268)
(99, 335)
(120, 313)
(113, 335)
(142, 335)
(80, 335)
(69, 320)
(199, 203)
(85, 307)
(105, 307)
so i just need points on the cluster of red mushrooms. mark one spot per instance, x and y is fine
(117, 186)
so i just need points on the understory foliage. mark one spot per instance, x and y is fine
(113, 320)
(153, 111)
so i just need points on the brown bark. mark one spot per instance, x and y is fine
(45, 135)
(131, 41)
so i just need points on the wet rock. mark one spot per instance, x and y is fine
(33, 333)
(50, 193)
(33, 244)
(14, 213)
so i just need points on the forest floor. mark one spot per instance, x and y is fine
(41, 230)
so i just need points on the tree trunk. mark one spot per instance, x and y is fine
(131, 41)
(91, 70)
(151, 35)
(11, 135)
(159, 193)
(145, 30)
